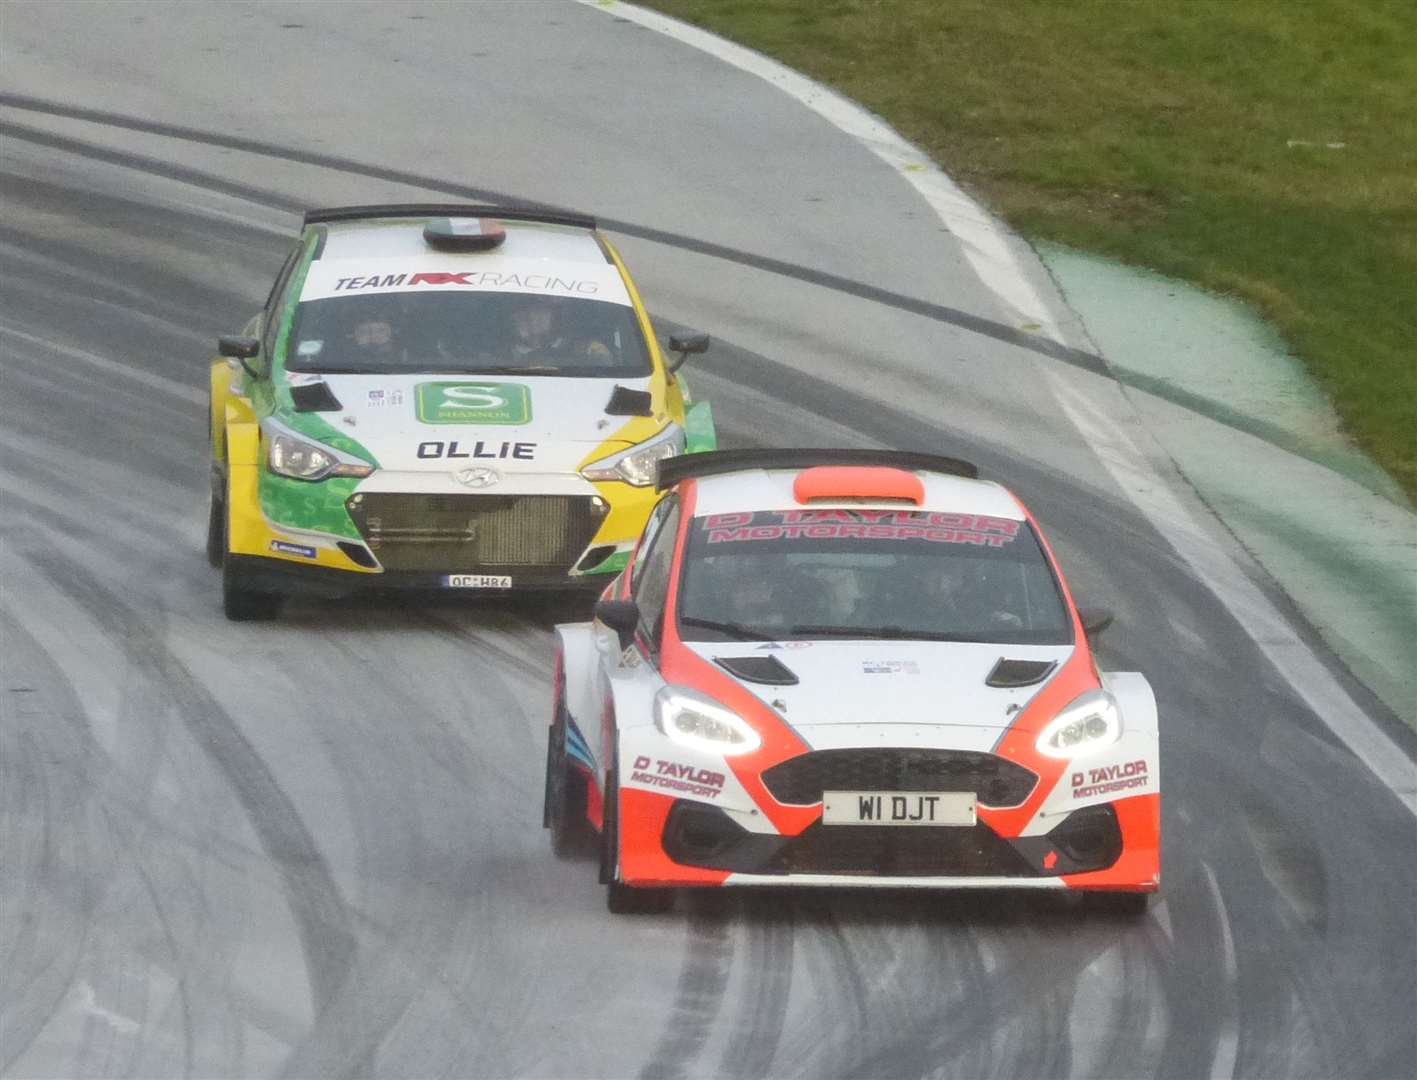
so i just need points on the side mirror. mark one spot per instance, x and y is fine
(242, 349)
(684, 344)
(622, 616)
(1094, 621)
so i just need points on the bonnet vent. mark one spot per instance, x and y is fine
(627, 402)
(314, 397)
(1008, 673)
(758, 669)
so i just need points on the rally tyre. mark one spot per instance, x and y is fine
(216, 530)
(628, 900)
(245, 605)
(1122, 906)
(620, 898)
(564, 805)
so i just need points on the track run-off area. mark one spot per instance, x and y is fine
(313, 847)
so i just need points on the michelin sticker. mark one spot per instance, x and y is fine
(287, 548)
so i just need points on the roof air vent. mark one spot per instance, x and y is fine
(876, 482)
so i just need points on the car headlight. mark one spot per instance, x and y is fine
(1089, 723)
(637, 464)
(293, 455)
(699, 722)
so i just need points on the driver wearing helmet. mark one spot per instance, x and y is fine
(538, 335)
(373, 338)
(964, 600)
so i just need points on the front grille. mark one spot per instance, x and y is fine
(468, 533)
(903, 852)
(995, 781)
(699, 835)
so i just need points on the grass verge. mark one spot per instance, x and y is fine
(1262, 149)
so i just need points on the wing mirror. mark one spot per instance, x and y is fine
(242, 349)
(689, 342)
(1094, 621)
(622, 616)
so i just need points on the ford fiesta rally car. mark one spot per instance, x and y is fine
(848, 668)
(443, 397)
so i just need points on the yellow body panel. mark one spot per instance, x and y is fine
(666, 393)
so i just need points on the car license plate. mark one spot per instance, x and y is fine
(477, 581)
(898, 808)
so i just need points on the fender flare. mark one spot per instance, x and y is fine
(575, 648)
(1135, 699)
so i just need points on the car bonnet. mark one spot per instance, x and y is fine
(919, 684)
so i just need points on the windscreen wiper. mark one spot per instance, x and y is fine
(737, 630)
(511, 369)
(894, 633)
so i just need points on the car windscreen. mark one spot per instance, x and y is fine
(467, 333)
(858, 573)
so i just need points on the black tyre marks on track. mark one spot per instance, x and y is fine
(758, 1017)
(965, 320)
(321, 918)
(44, 772)
(1041, 957)
(698, 998)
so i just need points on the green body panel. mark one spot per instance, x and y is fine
(699, 432)
(302, 504)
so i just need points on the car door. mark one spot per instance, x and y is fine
(649, 587)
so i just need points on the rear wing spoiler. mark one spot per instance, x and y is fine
(716, 462)
(548, 215)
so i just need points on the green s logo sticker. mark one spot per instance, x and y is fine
(472, 403)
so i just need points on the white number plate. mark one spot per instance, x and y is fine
(898, 808)
(477, 581)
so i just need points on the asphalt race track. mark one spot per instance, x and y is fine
(313, 847)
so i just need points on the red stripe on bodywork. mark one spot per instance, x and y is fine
(1077, 676)
(594, 799)
(681, 666)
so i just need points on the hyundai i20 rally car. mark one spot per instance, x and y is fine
(441, 397)
(848, 668)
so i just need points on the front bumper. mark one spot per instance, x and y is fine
(705, 836)
(687, 819)
(355, 541)
(287, 578)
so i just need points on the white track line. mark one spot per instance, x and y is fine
(983, 241)
(1264, 623)
(985, 244)
(1227, 1043)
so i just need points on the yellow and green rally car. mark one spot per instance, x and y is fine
(441, 397)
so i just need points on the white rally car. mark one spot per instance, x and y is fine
(441, 397)
(848, 668)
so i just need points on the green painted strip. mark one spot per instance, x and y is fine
(699, 431)
(612, 565)
(1342, 461)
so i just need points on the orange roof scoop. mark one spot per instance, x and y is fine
(875, 482)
